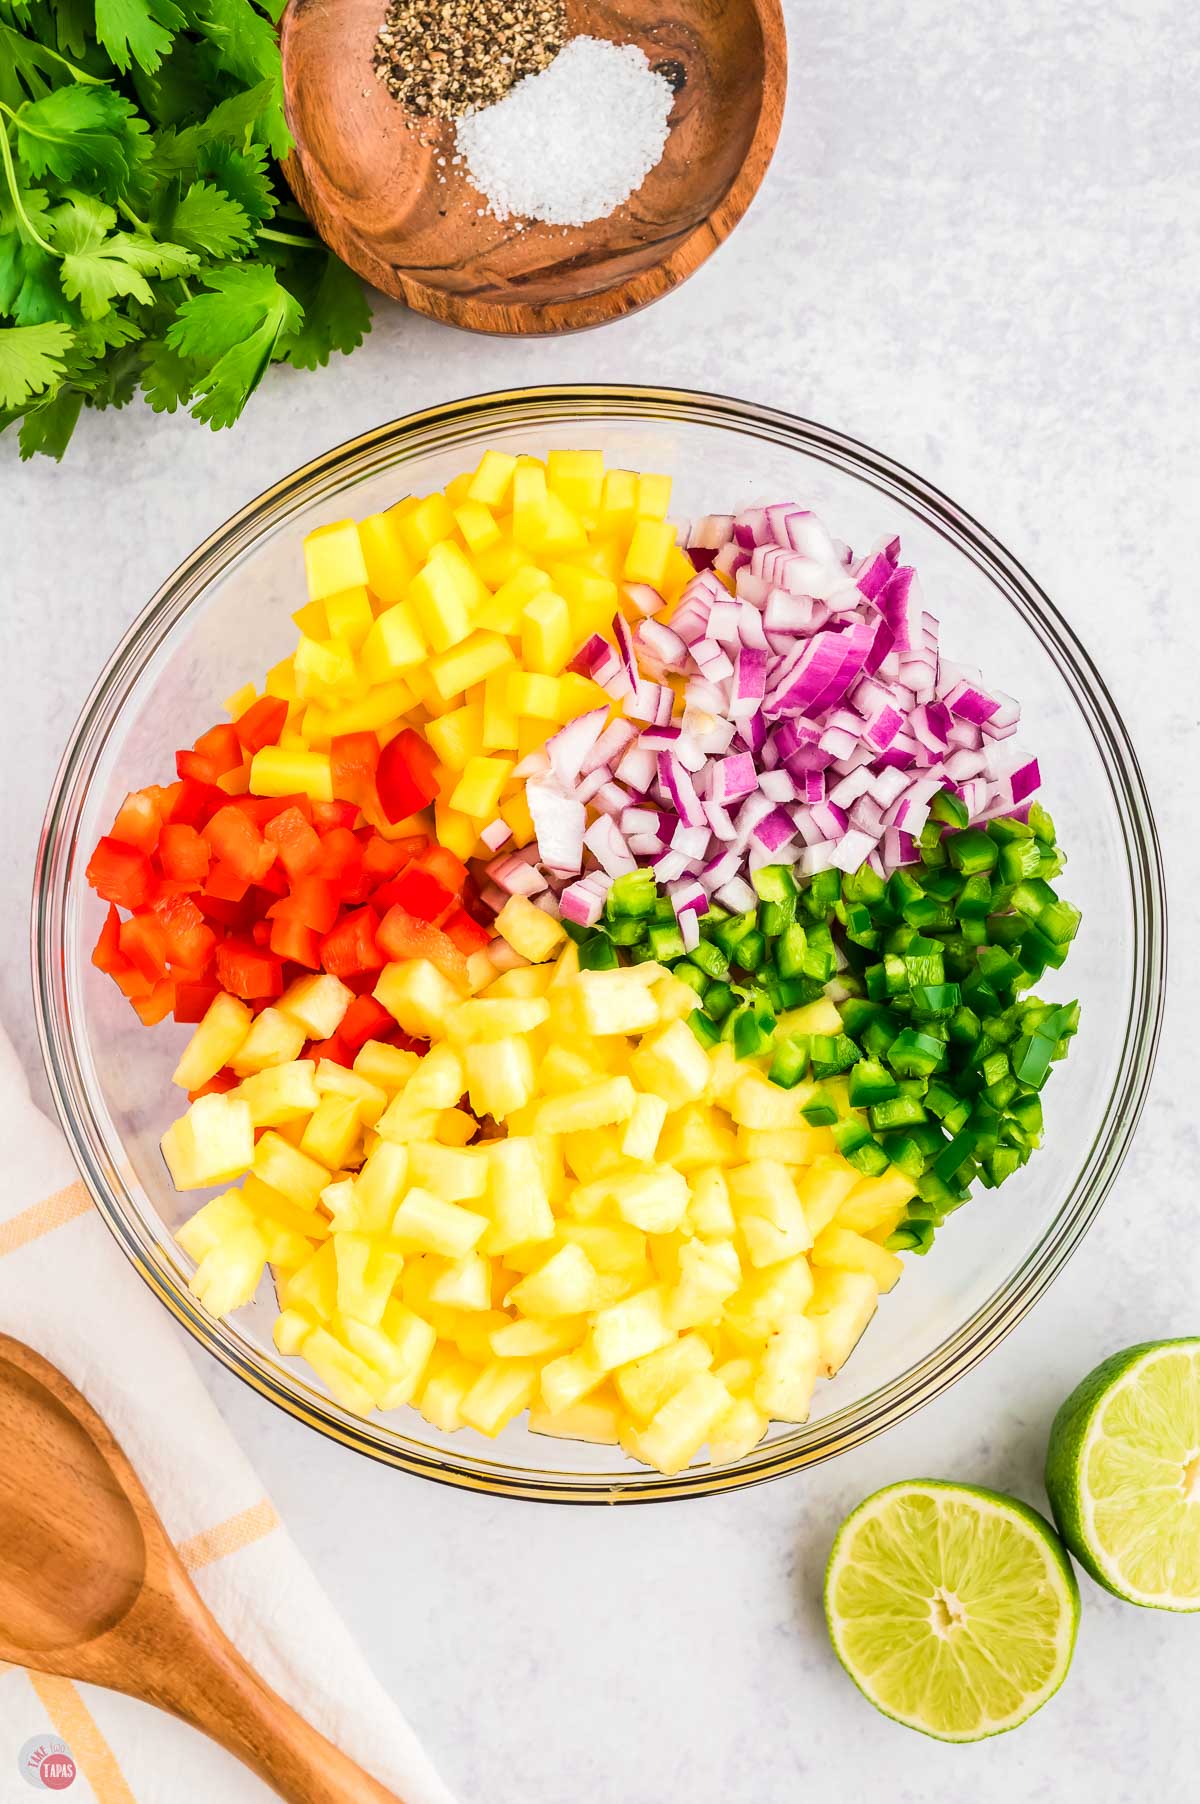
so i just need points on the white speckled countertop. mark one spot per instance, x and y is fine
(979, 249)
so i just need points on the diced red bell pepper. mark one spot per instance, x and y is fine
(195, 767)
(221, 745)
(138, 822)
(341, 859)
(260, 932)
(298, 846)
(406, 779)
(225, 884)
(335, 1050)
(193, 1000)
(237, 842)
(107, 955)
(467, 934)
(145, 944)
(351, 946)
(312, 901)
(157, 1005)
(195, 800)
(421, 894)
(120, 873)
(182, 854)
(216, 1086)
(383, 858)
(190, 942)
(353, 758)
(450, 871)
(261, 724)
(291, 939)
(224, 912)
(364, 1020)
(327, 815)
(245, 970)
(400, 935)
(271, 887)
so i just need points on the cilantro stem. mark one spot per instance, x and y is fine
(304, 244)
(10, 176)
(123, 206)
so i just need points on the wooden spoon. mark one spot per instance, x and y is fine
(91, 1588)
(380, 194)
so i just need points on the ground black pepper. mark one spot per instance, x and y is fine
(443, 58)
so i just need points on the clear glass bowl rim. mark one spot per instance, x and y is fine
(557, 404)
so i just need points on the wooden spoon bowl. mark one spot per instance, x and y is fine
(375, 187)
(91, 1588)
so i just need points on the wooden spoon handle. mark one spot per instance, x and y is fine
(208, 1684)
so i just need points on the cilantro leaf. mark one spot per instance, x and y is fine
(167, 378)
(242, 174)
(27, 69)
(232, 331)
(32, 358)
(48, 427)
(249, 51)
(205, 219)
(336, 314)
(98, 264)
(137, 31)
(77, 132)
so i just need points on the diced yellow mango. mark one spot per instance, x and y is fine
(514, 811)
(481, 785)
(424, 523)
(477, 524)
(649, 548)
(333, 559)
(577, 477)
(476, 657)
(547, 640)
(653, 497)
(445, 595)
(349, 616)
(457, 736)
(275, 771)
(394, 644)
(492, 479)
(390, 567)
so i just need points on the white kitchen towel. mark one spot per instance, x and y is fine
(67, 1291)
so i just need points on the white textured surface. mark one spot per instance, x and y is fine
(979, 249)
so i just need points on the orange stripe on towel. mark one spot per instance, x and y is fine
(227, 1537)
(41, 1218)
(72, 1719)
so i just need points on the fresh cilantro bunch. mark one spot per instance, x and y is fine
(145, 241)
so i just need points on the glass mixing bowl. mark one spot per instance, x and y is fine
(225, 616)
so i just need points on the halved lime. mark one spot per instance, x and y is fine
(1123, 1474)
(952, 1608)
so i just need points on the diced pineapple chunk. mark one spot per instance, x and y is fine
(516, 1199)
(768, 1211)
(496, 1017)
(212, 1143)
(644, 1386)
(841, 1249)
(680, 1428)
(643, 1127)
(367, 1270)
(501, 1391)
(598, 1105)
(596, 1418)
(417, 994)
(784, 1387)
(528, 930)
(709, 1273)
(500, 1077)
(282, 1094)
(565, 1285)
(317, 1003)
(288, 1170)
(428, 1224)
(672, 1065)
(842, 1305)
(465, 1283)
(627, 1330)
(214, 1043)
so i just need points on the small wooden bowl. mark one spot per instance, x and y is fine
(376, 194)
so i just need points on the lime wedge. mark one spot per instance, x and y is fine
(1123, 1474)
(953, 1609)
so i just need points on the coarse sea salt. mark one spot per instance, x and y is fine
(570, 144)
